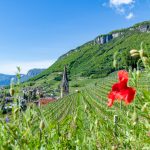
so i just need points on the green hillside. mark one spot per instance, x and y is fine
(95, 60)
(82, 121)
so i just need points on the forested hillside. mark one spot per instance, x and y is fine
(94, 59)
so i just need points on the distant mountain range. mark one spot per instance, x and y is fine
(6, 79)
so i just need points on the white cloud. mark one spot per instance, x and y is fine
(120, 10)
(9, 67)
(130, 16)
(123, 7)
(117, 3)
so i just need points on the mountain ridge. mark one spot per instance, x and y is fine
(6, 79)
(142, 27)
(94, 58)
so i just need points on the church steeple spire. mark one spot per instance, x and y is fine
(65, 83)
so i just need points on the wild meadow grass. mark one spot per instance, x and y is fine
(82, 120)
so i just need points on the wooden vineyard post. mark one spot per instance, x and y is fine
(115, 125)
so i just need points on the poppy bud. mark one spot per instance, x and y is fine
(144, 108)
(12, 91)
(135, 118)
(128, 113)
(42, 125)
(145, 60)
(74, 119)
(148, 134)
(115, 63)
(141, 52)
(130, 71)
(135, 55)
(77, 91)
(96, 122)
(133, 51)
(91, 127)
(115, 147)
(138, 73)
(8, 142)
(85, 108)
(16, 110)
(134, 123)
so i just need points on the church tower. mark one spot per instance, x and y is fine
(65, 84)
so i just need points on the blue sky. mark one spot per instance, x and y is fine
(34, 33)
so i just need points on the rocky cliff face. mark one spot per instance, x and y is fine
(102, 39)
(144, 28)
(31, 73)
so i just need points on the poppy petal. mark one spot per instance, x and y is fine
(116, 87)
(123, 76)
(120, 90)
(128, 94)
(110, 102)
(111, 98)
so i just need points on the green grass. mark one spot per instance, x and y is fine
(81, 120)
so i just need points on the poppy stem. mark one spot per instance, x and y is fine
(40, 136)
(121, 105)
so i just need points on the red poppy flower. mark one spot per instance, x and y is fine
(120, 90)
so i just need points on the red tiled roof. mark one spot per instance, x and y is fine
(45, 101)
